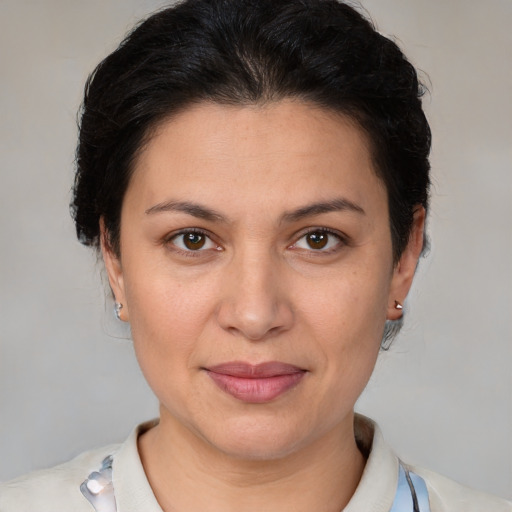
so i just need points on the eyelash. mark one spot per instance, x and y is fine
(341, 240)
(317, 252)
(190, 231)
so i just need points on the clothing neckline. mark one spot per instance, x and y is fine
(374, 493)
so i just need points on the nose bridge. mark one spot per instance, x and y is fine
(255, 303)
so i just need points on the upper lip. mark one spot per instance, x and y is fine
(255, 371)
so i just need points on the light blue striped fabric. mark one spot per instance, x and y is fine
(404, 500)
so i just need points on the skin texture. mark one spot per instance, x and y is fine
(254, 288)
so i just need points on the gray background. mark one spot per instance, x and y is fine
(68, 378)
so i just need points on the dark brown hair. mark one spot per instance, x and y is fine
(249, 52)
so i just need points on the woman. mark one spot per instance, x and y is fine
(256, 177)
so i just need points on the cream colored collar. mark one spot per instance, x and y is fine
(375, 492)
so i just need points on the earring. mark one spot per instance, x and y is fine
(397, 305)
(117, 310)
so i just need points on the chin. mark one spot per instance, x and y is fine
(254, 439)
(254, 448)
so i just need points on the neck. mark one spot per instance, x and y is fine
(187, 473)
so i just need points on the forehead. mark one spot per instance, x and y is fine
(288, 151)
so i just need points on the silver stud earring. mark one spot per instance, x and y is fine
(398, 305)
(117, 310)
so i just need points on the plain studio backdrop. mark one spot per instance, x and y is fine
(68, 377)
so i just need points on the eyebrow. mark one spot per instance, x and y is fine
(334, 205)
(203, 212)
(194, 209)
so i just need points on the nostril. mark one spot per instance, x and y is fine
(268, 323)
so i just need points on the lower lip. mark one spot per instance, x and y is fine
(256, 391)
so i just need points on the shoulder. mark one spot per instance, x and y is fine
(57, 488)
(446, 495)
(377, 490)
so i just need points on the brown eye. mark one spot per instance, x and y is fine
(317, 239)
(194, 241)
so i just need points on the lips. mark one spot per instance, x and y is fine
(259, 383)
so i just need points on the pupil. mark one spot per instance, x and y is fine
(317, 240)
(194, 241)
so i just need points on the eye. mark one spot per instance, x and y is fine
(192, 241)
(321, 240)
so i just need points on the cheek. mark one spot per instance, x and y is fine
(348, 323)
(351, 340)
(167, 318)
(349, 356)
(352, 306)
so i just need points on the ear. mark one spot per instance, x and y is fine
(405, 269)
(114, 271)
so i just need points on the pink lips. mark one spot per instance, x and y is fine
(255, 383)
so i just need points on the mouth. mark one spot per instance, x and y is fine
(255, 384)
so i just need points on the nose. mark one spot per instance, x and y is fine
(254, 301)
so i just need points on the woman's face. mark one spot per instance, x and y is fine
(256, 272)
